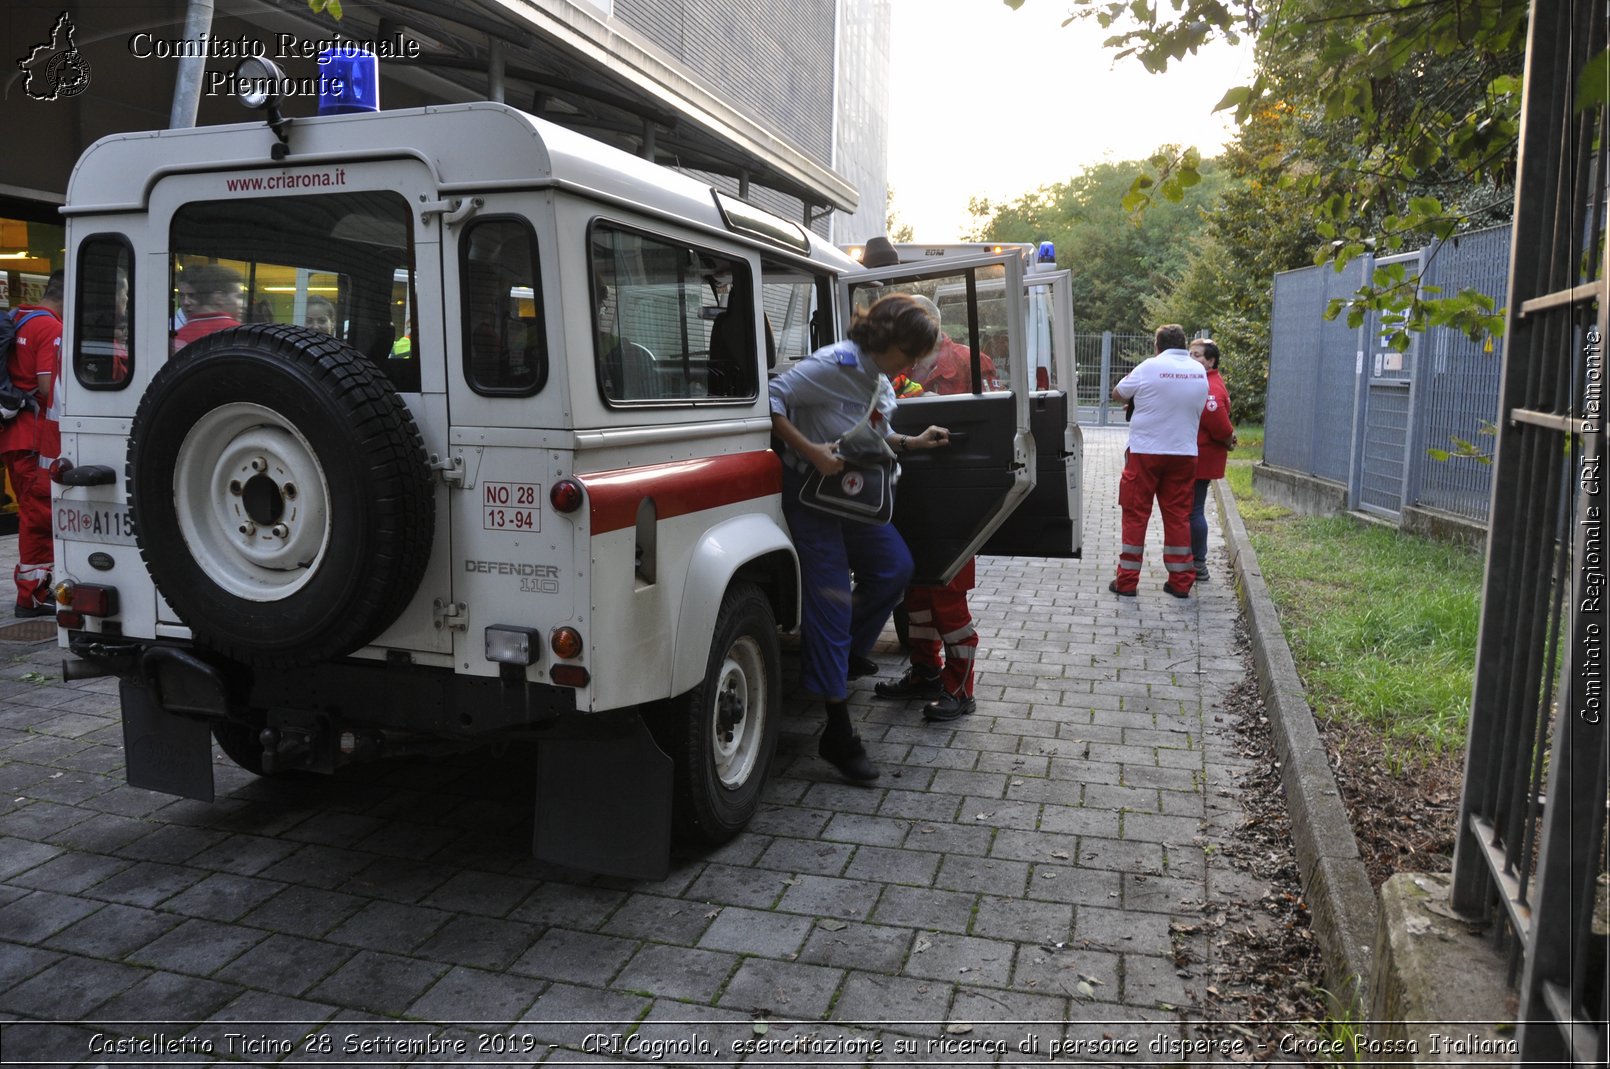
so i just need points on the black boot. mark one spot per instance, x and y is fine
(860, 667)
(918, 682)
(841, 747)
(949, 707)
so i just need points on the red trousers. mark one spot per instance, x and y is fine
(1172, 481)
(941, 621)
(35, 554)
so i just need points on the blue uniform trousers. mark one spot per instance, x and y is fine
(835, 621)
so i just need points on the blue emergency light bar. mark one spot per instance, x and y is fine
(349, 80)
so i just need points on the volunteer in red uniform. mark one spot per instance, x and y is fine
(1169, 391)
(939, 631)
(31, 441)
(1215, 437)
(950, 368)
(220, 299)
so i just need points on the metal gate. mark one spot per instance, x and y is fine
(1381, 468)
(1103, 359)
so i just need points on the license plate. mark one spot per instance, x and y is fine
(89, 521)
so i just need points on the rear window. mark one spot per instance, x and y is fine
(103, 353)
(341, 263)
(505, 350)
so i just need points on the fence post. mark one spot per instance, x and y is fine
(1363, 370)
(1106, 375)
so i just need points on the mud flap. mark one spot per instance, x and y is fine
(604, 802)
(162, 751)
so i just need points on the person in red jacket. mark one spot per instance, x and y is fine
(939, 629)
(31, 441)
(220, 299)
(950, 368)
(1215, 437)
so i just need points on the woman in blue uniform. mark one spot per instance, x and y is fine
(813, 405)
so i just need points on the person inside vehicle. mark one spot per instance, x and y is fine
(950, 369)
(321, 314)
(813, 404)
(220, 295)
(120, 327)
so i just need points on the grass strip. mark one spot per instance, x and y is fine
(1382, 624)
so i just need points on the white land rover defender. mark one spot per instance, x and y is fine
(525, 488)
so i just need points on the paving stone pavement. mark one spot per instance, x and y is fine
(1026, 871)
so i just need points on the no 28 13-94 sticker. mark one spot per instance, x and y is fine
(511, 507)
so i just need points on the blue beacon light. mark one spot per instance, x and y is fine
(349, 80)
(1048, 252)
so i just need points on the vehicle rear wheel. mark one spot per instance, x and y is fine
(280, 493)
(240, 744)
(723, 735)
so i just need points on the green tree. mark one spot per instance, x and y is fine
(894, 228)
(1399, 121)
(1118, 258)
(1255, 229)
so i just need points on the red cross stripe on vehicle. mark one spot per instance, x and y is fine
(681, 488)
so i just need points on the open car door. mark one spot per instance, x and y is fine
(1050, 523)
(952, 499)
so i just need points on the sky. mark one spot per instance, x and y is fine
(987, 101)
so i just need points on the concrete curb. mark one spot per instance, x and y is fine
(1339, 894)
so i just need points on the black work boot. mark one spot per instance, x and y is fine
(949, 707)
(841, 747)
(918, 682)
(861, 666)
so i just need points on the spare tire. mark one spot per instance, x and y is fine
(281, 495)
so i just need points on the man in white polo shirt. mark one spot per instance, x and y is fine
(1169, 391)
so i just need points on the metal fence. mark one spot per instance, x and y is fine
(1344, 406)
(1103, 359)
(1532, 846)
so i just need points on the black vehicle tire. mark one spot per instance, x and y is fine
(280, 493)
(722, 736)
(240, 744)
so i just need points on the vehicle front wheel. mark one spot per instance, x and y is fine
(723, 735)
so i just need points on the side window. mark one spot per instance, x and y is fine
(340, 263)
(973, 326)
(673, 322)
(793, 304)
(103, 353)
(505, 346)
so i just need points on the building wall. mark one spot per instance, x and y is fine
(861, 139)
(789, 64)
(770, 58)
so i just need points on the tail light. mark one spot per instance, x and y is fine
(566, 644)
(566, 495)
(86, 599)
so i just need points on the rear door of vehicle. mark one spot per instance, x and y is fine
(1050, 522)
(355, 240)
(952, 499)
